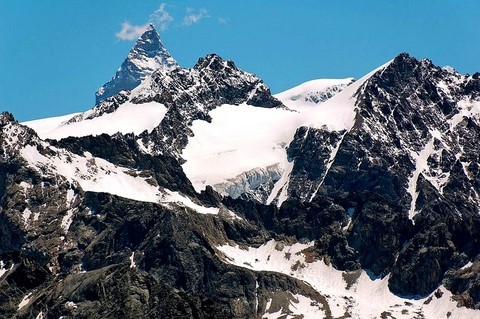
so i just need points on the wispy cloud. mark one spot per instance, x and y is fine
(223, 21)
(194, 16)
(160, 18)
(130, 32)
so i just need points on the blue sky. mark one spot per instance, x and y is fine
(55, 54)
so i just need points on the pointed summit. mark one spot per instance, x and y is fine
(147, 55)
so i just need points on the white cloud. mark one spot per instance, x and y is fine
(223, 21)
(130, 32)
(194, 16)
(161, 18)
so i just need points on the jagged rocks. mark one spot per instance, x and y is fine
(465, 284)
(378, 230)
(146, 56)
(191, 93)
(394, 194)
(422, 263)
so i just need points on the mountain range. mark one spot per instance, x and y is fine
(196, 193)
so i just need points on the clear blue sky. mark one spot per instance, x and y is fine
(55, 54)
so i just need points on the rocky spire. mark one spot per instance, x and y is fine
(147, 55)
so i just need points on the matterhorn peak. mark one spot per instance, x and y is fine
(146, 56)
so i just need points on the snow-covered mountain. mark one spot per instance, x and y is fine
(195, 193)
(147, 56)
(314, 91)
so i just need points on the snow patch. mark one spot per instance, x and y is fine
(132, 260)
(421, 165)
(467, 109)
(281, 186)
(97, 175)
(68, 218)
(26, 299)
(467, 265)
(181, 200)
(70, 305)
(3, 270)
(26, 186)
(93, 174)
(299, 306)
(307, 307)
(361, 296)
(177, 198)
(331, 159)
(128, 118)
(26, 215)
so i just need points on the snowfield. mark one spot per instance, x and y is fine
(242, 137)
(354, 293)
(128, 118)
(239, 139)
(98, 175)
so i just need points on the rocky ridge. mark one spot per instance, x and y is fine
(410, 163)
(147, 56)
(403, 178)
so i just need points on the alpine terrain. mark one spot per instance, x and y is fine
(196, 193)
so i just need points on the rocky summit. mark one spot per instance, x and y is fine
(196, 193)
(147, 56)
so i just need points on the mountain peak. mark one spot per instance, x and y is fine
(150, 39)
(405, 60)
(214, 62)
(6, 117)
(146, 56)
(151, 26)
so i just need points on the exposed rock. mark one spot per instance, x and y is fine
(147, 56)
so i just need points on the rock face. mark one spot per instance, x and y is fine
(410, 156)
(191, 93)
(109, 226)
(147, 56)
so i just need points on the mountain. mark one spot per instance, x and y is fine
(144, 58)
(314, 91)
(199, 194)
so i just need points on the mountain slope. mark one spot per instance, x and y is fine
(147, 56)
(314, 91)
(335, 199)
(411, 144)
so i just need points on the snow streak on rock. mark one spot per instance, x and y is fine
(147, 56)
(352, 293)
(421, 165)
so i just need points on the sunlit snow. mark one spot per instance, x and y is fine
(68, 218)
(98, 175)
(128, 118)
(360, 296)
(25, 300)
(4, 270)
(243, 137)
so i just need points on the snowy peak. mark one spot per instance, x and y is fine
(314, 91)
(5, 118)
(13, 137)
(406, 71)
(150, 46)
(146, 56)
(214, 62)
(211, 82)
